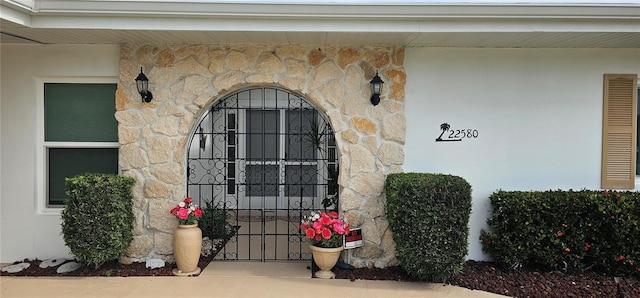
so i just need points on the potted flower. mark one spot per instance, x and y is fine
(187, 212)
(324, 230)
(187, 238)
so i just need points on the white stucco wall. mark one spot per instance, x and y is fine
(537, 112)
(24, 233)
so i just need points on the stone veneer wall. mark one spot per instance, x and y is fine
(186, 78)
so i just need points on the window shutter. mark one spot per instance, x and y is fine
(619, 131)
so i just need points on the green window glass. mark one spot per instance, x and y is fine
(80, 113)
(74, 114)
(68, 162)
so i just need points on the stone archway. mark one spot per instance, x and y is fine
(186, 78)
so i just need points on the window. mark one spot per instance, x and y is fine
(619, 131)
(79, 135)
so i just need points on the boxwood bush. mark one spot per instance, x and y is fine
(97, 220)
(565, 230)
(429, 215)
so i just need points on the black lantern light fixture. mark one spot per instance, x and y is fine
(376, 89)
(142, 83)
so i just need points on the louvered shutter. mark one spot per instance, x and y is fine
(619, 132)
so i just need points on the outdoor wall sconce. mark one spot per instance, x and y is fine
(376, 89)
(142, 83)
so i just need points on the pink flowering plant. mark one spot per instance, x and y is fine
(324, 229)
(187, 212)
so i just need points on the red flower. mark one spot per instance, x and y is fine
(187, 212)
(567, 249)
(338, 228)
(311, 233)
(183, 213)
(559, 233)
(619, 258)
(587, 246)
(325, 220)
(326, 233)
(198, 212)
(324, 229)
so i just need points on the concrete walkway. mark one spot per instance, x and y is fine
(227, 279)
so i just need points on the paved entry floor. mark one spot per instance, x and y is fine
(227, 279)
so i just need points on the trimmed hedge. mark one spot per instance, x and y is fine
(566, 230)
(97, 220)
(429, 215)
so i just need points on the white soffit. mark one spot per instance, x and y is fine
(347, 9)
(584, 23)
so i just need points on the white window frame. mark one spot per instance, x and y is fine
(42, 161)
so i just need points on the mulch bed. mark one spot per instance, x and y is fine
(111, 268)
(489, 277)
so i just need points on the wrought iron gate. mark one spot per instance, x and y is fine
(259, 160)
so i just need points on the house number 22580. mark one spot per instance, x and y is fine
(455, 134)
(463, 133)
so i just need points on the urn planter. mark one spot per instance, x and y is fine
(325, 258)
(187, 245)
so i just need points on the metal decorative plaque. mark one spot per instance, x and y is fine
(455, 135)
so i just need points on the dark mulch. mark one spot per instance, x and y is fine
(112, 268)
(388, 273)
(487, 276)
(483, 276)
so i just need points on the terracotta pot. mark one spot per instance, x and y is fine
(325, 258)
(187, 244)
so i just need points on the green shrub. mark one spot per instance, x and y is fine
(429, 215)
(97, 220)
(565, 230)
(214, 222)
